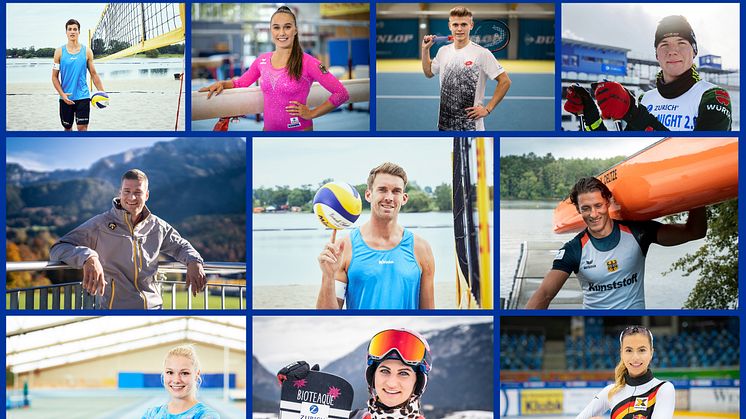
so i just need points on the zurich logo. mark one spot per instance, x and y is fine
(650, 108)
(314, 409)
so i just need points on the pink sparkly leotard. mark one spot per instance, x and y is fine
(279, 89)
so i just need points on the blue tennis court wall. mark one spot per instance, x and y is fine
(146, 380)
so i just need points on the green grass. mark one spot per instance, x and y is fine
(198, 302)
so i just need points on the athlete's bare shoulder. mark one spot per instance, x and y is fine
(422, 248)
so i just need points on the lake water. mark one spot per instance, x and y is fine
(21, 70)
(283, 256)
(518, 225)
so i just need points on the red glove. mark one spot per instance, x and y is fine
(613, 99)
(574, 104)
(580, 102)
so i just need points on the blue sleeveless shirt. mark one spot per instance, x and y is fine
(383, 279)
(73, 69)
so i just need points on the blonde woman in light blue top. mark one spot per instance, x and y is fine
(181, 379)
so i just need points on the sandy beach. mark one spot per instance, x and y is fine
(304, 296)
(147, 104)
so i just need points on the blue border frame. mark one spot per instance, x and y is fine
(496, 313)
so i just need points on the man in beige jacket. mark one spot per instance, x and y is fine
(120, 248)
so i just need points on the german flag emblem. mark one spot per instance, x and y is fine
(722, 97)
(612, 265)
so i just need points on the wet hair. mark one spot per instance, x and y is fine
(295, 63)
(588, 184)
(389, 169)
(134, 174)
(460, 11)
(72, 22)
(188, 352)
(620, 372)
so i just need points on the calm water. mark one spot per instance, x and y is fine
(518, 225)
(289, 257)
(20, 70)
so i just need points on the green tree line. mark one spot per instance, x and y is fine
(99, 50)
(420, 199)
(533, 177)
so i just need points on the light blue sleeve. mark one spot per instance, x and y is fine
(205, 412)
(151, 413)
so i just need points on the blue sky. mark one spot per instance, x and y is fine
(46, 154)
(298, 161)
(43, 24)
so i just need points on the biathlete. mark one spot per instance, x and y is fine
(285, 77)
(609, 255)
(464, 69)
(71, 61)
(681, 100)
(636, 393)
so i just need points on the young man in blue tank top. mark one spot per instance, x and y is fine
(380, 265)
(609, 255)
(71, 61)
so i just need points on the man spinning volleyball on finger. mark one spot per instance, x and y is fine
(681, 100)
(380, 265)
(71, 61)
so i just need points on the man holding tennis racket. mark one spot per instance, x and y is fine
(464, 67)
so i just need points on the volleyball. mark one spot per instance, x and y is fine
(338, 205)
(100, 100)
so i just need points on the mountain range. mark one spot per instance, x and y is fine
(191, 181)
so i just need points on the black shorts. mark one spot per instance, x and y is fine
(80, 111)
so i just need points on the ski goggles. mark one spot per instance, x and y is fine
(631, 330)
(411, 348)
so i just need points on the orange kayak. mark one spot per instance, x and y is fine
(668, 177)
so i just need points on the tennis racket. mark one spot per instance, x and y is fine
(491, 34)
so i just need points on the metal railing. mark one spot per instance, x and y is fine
(72, 296)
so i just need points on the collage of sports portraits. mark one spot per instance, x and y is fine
(316, 183)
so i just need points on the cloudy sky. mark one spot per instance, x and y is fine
(298, 161)
(716, 26)
(322, 339)
(43, 24)
(574, 147)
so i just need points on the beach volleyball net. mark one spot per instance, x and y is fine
(127, 29)
(471, 206)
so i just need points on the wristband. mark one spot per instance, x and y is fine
(340, 289)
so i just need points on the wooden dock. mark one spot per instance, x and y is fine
(533, 264)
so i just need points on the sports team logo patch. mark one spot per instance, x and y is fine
(468, 63)
(612, 266)
(294, 122)
(323, 69)
(641, 403)
(560, 254)
(112, 226)
(722, 97)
